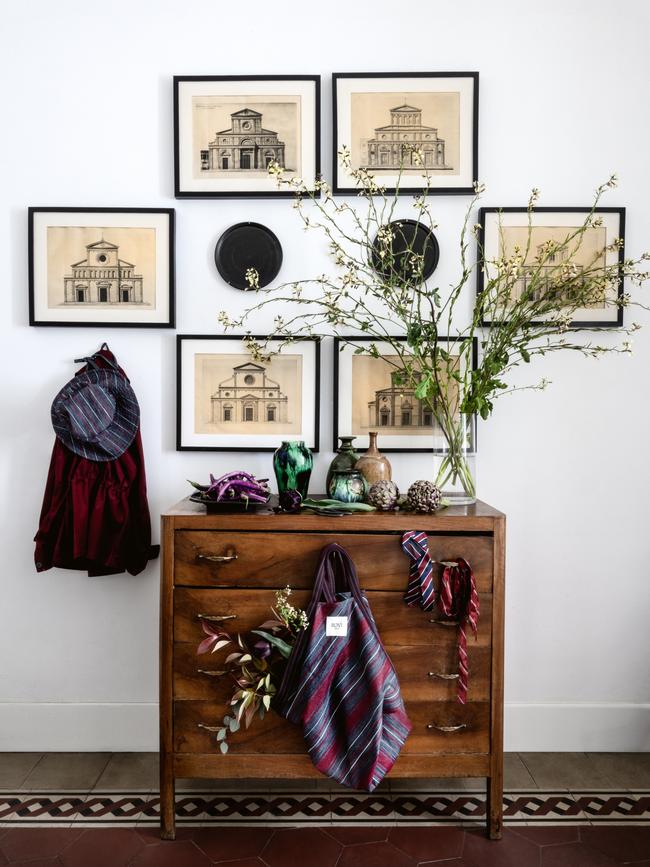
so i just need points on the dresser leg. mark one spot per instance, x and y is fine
(167, 800)
(494, 807)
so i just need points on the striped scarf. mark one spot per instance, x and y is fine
(420, 590)
(458, 600)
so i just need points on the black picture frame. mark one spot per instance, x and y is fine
(471, 149)
(616, 321)
(180, 189)
(182, 445)
(352, 339)
(36, 291)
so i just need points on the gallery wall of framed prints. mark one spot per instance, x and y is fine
(101, 267)
(228, 129)
(230, 400)
(115, 267)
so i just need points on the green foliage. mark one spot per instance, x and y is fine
(529, 318)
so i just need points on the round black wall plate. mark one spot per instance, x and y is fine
(244, 246)
(408, 234)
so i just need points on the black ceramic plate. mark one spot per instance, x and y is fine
(244, 246)
(408, 235)
(227, 506)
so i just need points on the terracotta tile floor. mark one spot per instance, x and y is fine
(326, 847)
(595, 810)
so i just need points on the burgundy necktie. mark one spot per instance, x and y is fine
(458, 599)
(420, 590)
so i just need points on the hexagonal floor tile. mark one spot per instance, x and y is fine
(103, 847)
(25, 844)
(229, 844)
(291, 847)
(428, 844)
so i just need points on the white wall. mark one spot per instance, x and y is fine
(564, 101)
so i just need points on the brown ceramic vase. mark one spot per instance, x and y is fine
(373, 465)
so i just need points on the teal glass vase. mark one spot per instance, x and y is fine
(292, 465)
(348, 486)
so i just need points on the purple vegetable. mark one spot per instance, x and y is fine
(234, 486)
(290, 501)
(262, 649)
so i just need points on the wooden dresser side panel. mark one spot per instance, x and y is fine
(167, 814)
(495, 783)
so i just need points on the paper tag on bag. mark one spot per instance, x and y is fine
(336, 626)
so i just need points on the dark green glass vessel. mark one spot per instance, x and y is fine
(348, 486)
(346, 458)
(292, 465)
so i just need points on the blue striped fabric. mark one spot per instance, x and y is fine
(346, 696)
(96, 414)
(420, 590)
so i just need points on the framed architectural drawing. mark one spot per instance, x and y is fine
(503, 229)
(228, 129)
(101, 267)
(368, 397)
(408, 119)
(227, 400)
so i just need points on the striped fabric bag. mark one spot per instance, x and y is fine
(340, 684)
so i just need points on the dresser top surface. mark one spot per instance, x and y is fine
(478, 517)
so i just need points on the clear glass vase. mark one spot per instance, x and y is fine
(454, 459)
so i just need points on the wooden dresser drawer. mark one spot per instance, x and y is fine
(426, 673)
(397, 623)
(277, 559)
(468, 730)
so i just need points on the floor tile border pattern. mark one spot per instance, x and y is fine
(51, 808)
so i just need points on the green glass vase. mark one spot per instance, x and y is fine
(292, 465)
(346, 458)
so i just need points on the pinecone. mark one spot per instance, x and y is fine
(423, 496)
(383, 495)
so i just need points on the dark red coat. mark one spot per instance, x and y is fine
(95, 514)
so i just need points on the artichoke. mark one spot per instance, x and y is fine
(383, 495)
(423, 496)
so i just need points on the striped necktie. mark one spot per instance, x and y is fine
(458, 600)
(420, 590)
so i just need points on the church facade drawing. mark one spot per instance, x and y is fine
(246, 146)
(249, 395)
(393, 144)
(102, 278)
(397, 406)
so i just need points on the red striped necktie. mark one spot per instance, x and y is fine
(458, 600)
(420, 590)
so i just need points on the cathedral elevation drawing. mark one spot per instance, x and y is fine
(394, 144)
(397, 406)
(103, 278)
(245, 146)
(249, 395)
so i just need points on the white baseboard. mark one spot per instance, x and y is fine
(79, 727)
(585, 727)
(96, 727)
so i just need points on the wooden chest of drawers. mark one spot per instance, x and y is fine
(230, 566)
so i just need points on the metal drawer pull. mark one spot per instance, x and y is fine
(444, 622)
(217, 618)
(210, 673)
(447, 728)
(217, 558)
(208, 728)
(443, 676)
